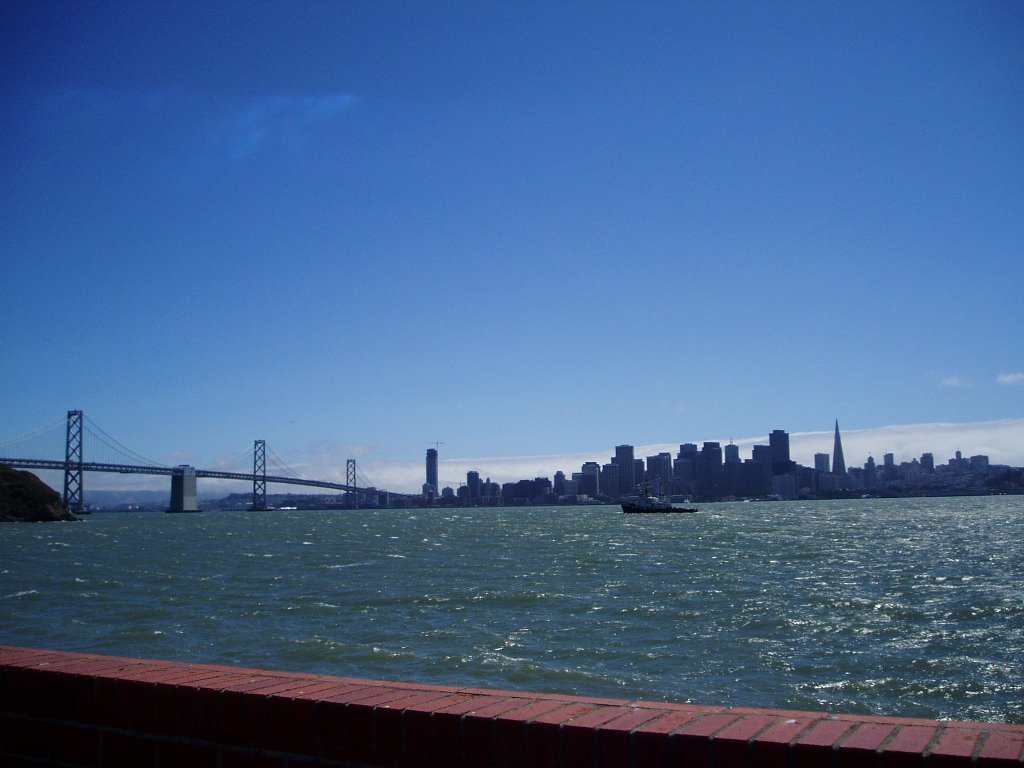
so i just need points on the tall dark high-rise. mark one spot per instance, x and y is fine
(473, 483)
(432, 469)
(838, 462)
(591, 482)
(709, 471)
(778, 441)
(626, 463)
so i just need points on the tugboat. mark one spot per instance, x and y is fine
(645, 503)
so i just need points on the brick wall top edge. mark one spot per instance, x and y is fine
(276, 683)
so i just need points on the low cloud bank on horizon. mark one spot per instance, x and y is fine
(1002, 441)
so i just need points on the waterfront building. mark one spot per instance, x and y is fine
(756, 477)
(826, 482)
(785, 486)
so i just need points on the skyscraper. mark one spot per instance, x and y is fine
(626, 463)
(432, 469)
(610, 479)
(838, 462)
(732, 454)
(659, 473)
(591, 482)
(778, 441)
(473, 483)
(709, 471)
(821, 463)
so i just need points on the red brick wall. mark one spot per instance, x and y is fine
(74, 709)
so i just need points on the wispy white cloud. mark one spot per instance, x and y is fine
(212, 134)
(1010, 379)
(276, 123)
(954, 382)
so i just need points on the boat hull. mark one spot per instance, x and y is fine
(643, 509)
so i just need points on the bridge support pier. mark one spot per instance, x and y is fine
(183, 490)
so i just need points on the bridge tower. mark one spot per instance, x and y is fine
(350, 481)
(259, 475)
(73, 490)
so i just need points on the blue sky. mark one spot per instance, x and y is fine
(355, 229)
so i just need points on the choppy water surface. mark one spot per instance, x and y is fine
(901, 607)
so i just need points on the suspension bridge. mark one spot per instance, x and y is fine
(28, 452)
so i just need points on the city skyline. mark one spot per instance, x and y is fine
(906, 444)
(354, 231)
(1002, 441)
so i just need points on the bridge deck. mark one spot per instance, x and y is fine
(135, 469)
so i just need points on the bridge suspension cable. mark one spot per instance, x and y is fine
(279, 464)
(95, 431)
(243, 459)
(362, 480)
(56, 428)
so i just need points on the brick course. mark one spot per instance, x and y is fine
(73, 709)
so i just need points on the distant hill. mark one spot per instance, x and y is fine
(99, 500)
(26, 498)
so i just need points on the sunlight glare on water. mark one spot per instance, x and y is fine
(899, 607)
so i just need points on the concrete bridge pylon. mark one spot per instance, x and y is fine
(183, 490)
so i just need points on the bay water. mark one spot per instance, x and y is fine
(908, 607)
